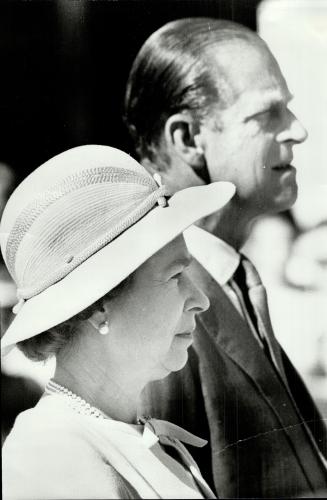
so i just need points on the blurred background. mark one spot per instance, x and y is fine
(64, 66)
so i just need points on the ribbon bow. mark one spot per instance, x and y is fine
(171, 434)
(19, 305)
(160, 430)
(162, 202)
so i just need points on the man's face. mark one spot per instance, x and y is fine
(250, 141)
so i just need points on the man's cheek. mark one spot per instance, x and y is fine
(253, 129)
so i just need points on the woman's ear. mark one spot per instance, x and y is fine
(182, 136)
(98, 318)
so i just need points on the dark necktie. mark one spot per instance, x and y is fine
(255, 300)
(255, 297)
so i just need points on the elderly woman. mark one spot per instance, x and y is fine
(100, 265)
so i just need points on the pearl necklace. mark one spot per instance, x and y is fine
(75, 402)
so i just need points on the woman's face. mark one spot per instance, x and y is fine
(151, 323)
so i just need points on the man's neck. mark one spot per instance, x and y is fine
(231, 224)
(175, 175)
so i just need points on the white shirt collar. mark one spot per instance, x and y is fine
(215, 255)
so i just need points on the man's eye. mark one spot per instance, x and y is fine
(272, 113)
(263, 115)
(275, 112)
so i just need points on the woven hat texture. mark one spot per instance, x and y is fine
(78, 211)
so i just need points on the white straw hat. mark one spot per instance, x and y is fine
(81, 223)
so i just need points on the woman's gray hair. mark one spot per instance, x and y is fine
(47, 344)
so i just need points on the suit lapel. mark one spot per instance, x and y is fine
(230, 332)
(227, 328)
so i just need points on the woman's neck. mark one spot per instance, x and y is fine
(116, 394)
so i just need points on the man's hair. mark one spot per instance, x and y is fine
(173, 72)
(50, 343)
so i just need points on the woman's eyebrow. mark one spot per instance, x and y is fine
(181, 262)
(184, 261)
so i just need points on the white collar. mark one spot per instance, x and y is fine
(127, 448)
(215, 255)
(148, 429)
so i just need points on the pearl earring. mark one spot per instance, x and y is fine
(199, 150)
(103, 328)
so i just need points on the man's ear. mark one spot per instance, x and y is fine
(182, 135)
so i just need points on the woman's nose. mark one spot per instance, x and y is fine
(293, 130)
(197, 300)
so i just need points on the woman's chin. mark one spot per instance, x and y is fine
(175, 361)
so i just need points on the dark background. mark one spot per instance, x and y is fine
(64, 66)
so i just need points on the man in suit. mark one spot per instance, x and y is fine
(206, 101)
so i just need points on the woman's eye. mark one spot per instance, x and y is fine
(177, 276)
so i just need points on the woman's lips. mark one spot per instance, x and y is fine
(184, 335)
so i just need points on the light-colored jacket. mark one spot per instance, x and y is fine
(55, 453)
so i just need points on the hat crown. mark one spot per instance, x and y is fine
(68, 209)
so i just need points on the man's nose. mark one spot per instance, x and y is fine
(293, 130)
(197, 300)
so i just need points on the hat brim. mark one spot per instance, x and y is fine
(108, 267)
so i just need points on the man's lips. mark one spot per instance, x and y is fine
(283, 167)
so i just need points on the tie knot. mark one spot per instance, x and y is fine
(251, 274)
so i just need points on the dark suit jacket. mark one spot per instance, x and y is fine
(230, 394)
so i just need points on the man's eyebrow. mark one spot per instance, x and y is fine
(261, 103)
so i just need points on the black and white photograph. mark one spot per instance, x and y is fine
(163, 265)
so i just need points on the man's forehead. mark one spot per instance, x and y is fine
(251, 74)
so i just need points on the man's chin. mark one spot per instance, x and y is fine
(284, 200)
(288, 201)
